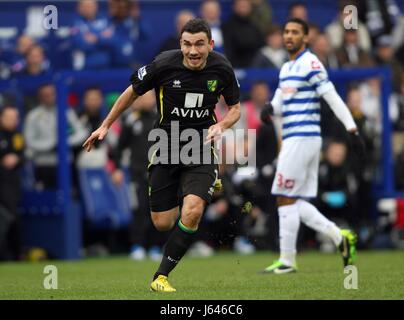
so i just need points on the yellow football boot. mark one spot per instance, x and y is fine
(161, 284)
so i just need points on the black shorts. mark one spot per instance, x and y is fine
(168, 184)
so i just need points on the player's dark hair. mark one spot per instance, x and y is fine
(303, 23)
(197, 25)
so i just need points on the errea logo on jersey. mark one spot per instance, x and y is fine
(141, 73)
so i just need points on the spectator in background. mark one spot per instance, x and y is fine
(127, 30)
(92, 112)
(298, 10)
(224, 223)
(314, 31)
(398, 40)
(35, 62)
(399, 54)
(337, 187)
(364, 171)
(251, 109)
(11, 158)
(265, 148)
(134, 136)
(90, 37)
(242, 39)
(335, 30)
(261, 14)
(379, 16)
(12, 57)
(173, 42)
(331, 128)
(41, 136)
(322, 49)
(16, 59)
(399, 170)
(398, 140)
(337, 184)
(370, 104)
(273, 55)
(385, 57)
(365, 128)
(350, 54)
(91, 116)
(210, 12)
(142, 31)
(398, 32)
(399, 124)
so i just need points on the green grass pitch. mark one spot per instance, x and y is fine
(223, 276)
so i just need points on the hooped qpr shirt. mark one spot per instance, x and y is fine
(301, 84)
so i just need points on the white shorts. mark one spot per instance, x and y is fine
(297, 170)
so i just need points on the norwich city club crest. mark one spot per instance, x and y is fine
(212, 85)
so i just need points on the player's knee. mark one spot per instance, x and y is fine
(162, 223)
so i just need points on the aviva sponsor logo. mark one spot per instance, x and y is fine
(193, 101)
(190, 113)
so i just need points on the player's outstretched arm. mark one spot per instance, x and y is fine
(227, 122)
(120, 105)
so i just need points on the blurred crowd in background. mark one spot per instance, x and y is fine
(249, 38)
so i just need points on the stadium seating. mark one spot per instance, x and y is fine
(106, 205)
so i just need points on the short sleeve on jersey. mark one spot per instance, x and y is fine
(231, 92)
(143, 79)
(318, 77)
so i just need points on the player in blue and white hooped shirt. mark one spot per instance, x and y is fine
(303, 80)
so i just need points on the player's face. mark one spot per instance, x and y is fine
(195, 48)
(293, 37)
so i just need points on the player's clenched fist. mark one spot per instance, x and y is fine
(98, 134)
